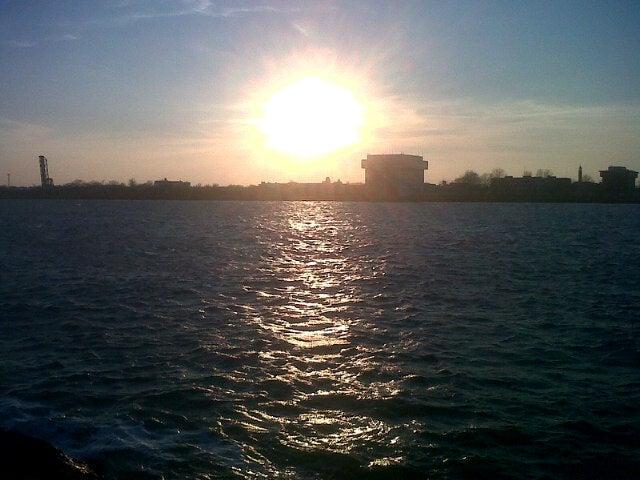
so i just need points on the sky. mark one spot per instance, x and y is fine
(151, 89)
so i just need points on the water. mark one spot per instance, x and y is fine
(324, 340)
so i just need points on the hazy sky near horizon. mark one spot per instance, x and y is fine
(152, 89)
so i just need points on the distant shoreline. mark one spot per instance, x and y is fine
(302, 192)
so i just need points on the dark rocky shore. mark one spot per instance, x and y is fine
(26, 458)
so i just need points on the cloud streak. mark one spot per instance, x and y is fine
(68, 37)
(20, 43)
(184, 8)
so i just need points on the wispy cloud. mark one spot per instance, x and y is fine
(238, 11)
(420, 116)
(13, 132)
(20, 43)
(178, 9)
(68, 37)
(130, 12)
(301, 29)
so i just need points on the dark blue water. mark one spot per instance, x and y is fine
(324, 340)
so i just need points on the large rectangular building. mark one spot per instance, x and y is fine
(618, 182)
(394, 176)
(531, 189)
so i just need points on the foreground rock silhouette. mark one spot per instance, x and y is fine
(26, 458)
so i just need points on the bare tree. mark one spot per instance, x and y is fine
(544, 173)
(486, 178)
(497, 173)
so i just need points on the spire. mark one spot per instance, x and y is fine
(580, 174)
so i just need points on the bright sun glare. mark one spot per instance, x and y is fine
(311, 117)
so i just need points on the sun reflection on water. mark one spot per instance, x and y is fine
(314, 372)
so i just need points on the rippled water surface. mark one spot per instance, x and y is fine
(324, 340)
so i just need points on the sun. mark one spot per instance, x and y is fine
(310, 118)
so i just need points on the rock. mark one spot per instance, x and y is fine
(26, 458)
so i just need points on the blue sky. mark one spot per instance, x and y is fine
(148, 89)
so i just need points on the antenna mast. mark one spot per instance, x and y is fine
(45, 179)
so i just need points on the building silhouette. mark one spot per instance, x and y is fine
(397, 176)
(529, 188)
(618, 183)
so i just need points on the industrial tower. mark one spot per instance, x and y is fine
(47, 181)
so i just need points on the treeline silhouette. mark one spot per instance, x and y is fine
(470, 177)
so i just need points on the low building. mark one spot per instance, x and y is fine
(396, 176)
(531, 188)
(618, 182)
